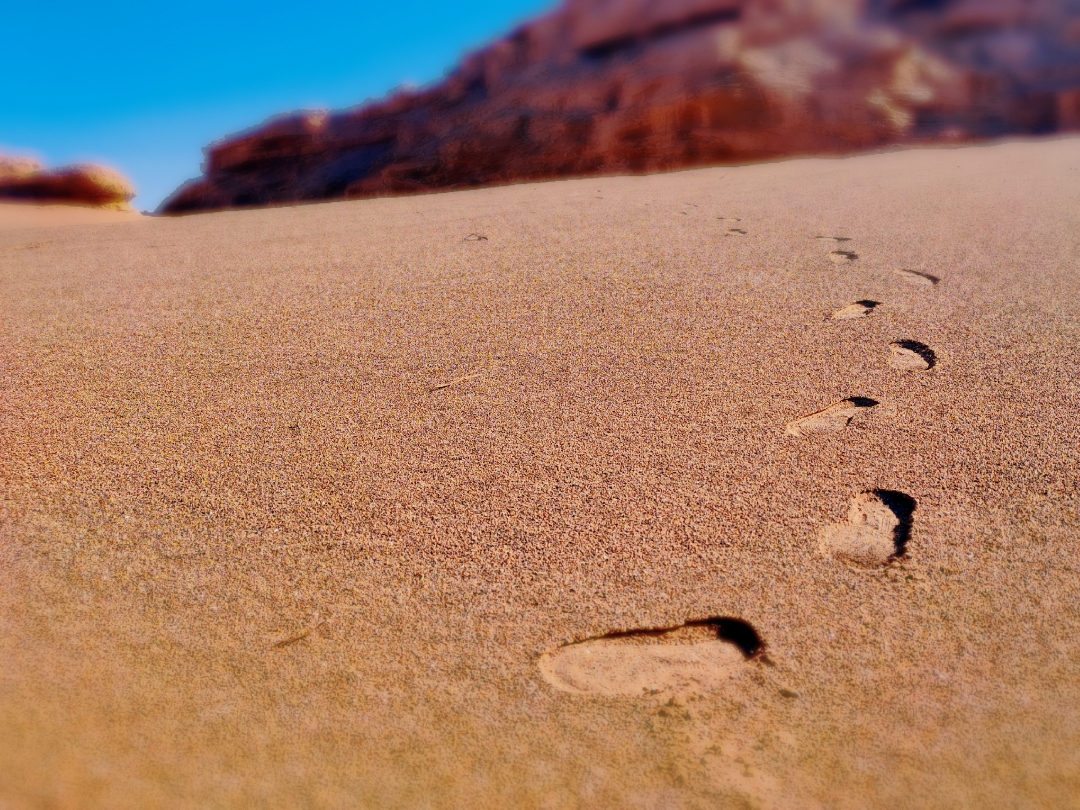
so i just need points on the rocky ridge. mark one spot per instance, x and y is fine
(26, 180)
(610, 86)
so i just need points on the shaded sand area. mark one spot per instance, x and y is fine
(748, 487)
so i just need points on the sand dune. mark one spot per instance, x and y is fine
(18, 216)
(473, 499)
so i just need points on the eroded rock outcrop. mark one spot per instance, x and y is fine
(13, 168)
(605, 86)
(26, 180)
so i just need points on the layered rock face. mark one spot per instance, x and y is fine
(609, 86)
(26, 180)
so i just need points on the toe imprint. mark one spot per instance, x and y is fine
(858, 309)
(915, 277)
(832, 419)
(876, 530)
(698, 656)
(910, 355)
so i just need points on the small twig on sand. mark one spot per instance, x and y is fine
(454, 382)
(298, 637)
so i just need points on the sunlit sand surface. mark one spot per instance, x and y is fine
(379, 503)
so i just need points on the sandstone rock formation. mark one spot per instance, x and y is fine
(12, 168)
(25, 180)
(607, 86)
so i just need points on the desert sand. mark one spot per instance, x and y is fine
(20, 216)
(371, 504)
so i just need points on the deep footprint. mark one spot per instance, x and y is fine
(698, 656)
(910, 355)
(915, 277)
(842, 256)
(877, 529)
(858, 309)
(832, 419)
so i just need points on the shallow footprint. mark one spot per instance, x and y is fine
(915, 277)
(835, 238)
(876, 530)
(832, 419)
(698, 656)
(858, 309)
(910, 355)
(736, 231)
(842, 256)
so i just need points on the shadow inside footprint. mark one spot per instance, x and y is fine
(856, 309)
(832, 419)
(877, 529)
(910, 354)
(699, 655)
(734, 631)
(915, 277)
(903, 507)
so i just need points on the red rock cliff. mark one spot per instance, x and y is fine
(605, 86)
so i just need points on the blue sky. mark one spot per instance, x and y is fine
(143, 86)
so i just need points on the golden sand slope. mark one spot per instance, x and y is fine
(19, 216)
(298, 506)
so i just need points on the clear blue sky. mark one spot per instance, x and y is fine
(143, 86)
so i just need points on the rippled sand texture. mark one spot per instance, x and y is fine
(447, 501)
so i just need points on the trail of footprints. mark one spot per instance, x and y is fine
(703, 655)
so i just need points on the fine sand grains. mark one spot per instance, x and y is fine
(249, 558)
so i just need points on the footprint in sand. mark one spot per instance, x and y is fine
(858, 309)
(736, 232)
(915, 277)
(842, 256)
(834, 238)
(910, 355)
(699, 656)
(832, 419)
(877, 529)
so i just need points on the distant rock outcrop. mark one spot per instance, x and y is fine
(608, 86)
(25, 180)
(13, 168)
